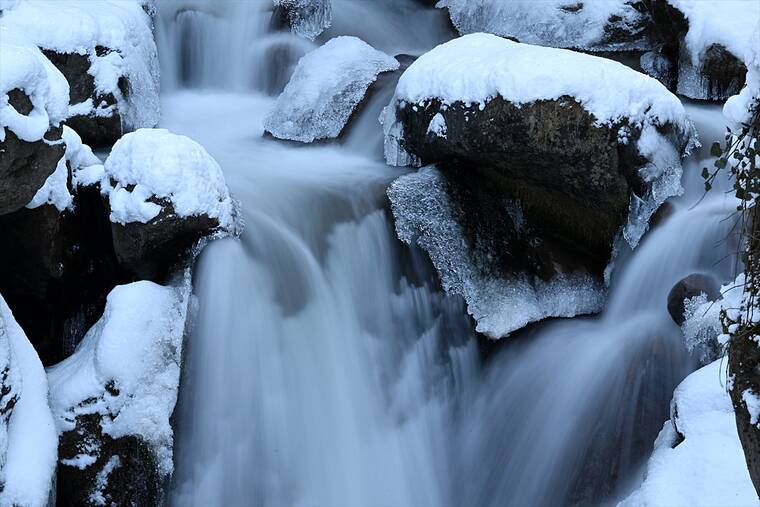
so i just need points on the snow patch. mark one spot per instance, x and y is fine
(326, 86)
(120, 25)
(554, 23)
(30, 446)
(127, 367)
(151, 164)
(24, 67)
(437, 126)
(708, 467)
(500, 305)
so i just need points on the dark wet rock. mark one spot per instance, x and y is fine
(149, 250)
(25, 166)
(94, 129)
(687, 288)
(573, 179)
(124, 471)
(55, 270)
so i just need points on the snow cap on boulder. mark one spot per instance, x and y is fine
(150, 168)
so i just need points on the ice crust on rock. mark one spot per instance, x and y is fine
(136, 347)
(707, 467)
(326, 86)
(24, 67)
(554, 23)
(307, 18)
(29, 442)
(80, 160)
(475, 68)
(155, 164)
(120, 25)
(425, 216)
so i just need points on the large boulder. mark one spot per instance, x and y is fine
(113, 398)
(164, 192)
(325, 88)
(609, 26)
(28, 437)
(33, 102)
(110, 61)
(542, 173)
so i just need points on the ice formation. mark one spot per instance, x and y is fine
(499, 304)
(327, 85)
(555, 23)
(474, 69)
(122, 26)
(707, 467)
(307, 18)
(151, 164)
(702, 327)
(24, 67)
(126, 369)
(29, 443)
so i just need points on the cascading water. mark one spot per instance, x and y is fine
(326, 366)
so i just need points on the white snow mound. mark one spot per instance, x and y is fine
(24, 67)
(79, 157)
(29, 444)
(136, 347)
(155, 163)
(708, 467)
(476, 68)
(326, 86)
(554, 23)
(80, 26)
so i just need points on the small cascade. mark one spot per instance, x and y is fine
(327, 367)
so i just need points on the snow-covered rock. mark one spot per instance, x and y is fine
(28, 438)
(109, 60)
(587, 147)
(325, 88)
(112, 399)
(706, 41)
(499, 302)
(33, 102)
(306, 18)
(610, 25)
(698, 459)
(165, 192)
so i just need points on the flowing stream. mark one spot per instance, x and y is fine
(328, 368)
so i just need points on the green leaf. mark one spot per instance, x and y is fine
(721, 163)
(715, 150)
(708, 186)
(705, 173)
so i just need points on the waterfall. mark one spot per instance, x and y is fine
(327, 367)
